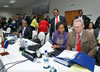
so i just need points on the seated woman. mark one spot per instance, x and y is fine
(91, 27)
(59, 40)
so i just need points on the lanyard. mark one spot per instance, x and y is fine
(76, 42)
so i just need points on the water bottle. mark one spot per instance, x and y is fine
(26, 45)
(46, 61)
(52, 69)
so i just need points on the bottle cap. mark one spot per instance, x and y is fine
(45, 51)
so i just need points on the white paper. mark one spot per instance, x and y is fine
(46, 46)
(68, 54)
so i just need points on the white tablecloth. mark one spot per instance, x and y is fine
(29, 66)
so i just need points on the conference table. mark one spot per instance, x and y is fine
(28, 66)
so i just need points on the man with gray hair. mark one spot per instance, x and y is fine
(81, 40)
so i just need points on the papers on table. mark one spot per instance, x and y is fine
(46, 46)
(68, 54)
(78, 68)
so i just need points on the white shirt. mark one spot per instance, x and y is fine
(23, 31)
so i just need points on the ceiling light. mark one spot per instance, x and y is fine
(6, 5)
(12, 1)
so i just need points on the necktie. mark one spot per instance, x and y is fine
(79, 43)
(56, 20)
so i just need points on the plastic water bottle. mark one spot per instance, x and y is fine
(26, 45)
(52, 69)
(46, 61)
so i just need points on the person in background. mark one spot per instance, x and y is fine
(4, 26)
(34, 23)
(47, 18)
(91, 27)
(85, 19)
(27, 18)
(97, 22)
(81, 40)
(3, 21)
(43, 26)
(57, 18)
(26, 30)
(97, 34)
(59, 40)
(13, 24)
(97, 37)
(9, 21)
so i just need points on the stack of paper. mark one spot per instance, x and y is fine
(68, 54)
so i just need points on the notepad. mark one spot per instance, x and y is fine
(78, 68)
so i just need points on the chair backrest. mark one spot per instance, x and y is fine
(8, 30)
(41, 36)
(47, 38)
(34, 34)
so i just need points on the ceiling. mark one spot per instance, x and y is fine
(18, 4)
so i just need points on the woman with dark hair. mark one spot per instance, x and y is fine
(91, 27)
(60, 38)
(34, 23)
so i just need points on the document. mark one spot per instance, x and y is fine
(78, 68)
(68, 54)
(46, 46)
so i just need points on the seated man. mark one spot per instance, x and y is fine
(81, 40)
(26, 30)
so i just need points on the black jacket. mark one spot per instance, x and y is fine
(96, 33)
(97, 22)
(52, 22)
(85, 19)
(28, 32)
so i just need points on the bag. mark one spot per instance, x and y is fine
(34, 47)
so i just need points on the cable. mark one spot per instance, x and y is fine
(12, 63)
(16, 64)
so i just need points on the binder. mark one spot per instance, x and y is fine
(85, 61)
(64, 61)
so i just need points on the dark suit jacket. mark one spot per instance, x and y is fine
(85, 19)
(88, 42)
(96, 33)
(52, 22)
(28, 32)
(97, 22)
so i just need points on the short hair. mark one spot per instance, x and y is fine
(56, 9)
(79, 20)
(24, 21)
(80, 11)
(58, 24)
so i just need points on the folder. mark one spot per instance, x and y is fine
(64, 61)
(85, 61)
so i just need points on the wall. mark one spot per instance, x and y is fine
(5, 12)
(90, 7)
